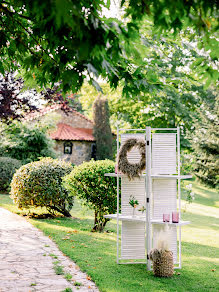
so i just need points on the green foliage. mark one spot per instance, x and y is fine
(59, 270)
(87, 182)
(205, 142)
(8, 166)
(39, 184)
(25, 142)
(101, 130)
(133, 202)
(170, 93)
(77, 284)
(84, 42)
(67, 290)
(68, 277)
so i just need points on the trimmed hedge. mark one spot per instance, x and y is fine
(98, 192)
(39, 184)
(8, 166)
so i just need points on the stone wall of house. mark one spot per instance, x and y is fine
(75, 120)
(81, 151)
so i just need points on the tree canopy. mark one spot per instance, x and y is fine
(172, 94)
(102, 131)
(69, 41)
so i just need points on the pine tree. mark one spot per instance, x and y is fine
(102, 130)
(205, 142)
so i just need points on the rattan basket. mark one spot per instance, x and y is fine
(163, 264)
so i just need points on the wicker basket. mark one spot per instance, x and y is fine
(163, 265)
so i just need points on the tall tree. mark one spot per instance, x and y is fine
(205, 142)
(102, 131)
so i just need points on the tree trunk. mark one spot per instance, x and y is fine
(99, 222)
(64, 212)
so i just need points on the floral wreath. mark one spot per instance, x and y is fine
(131, 169)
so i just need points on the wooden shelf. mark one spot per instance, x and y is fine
(120, 175)
(143, 219)
(157, 176)
(171, 176)
(181, 223)
(126, 217)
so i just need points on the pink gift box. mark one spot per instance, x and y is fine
(175, 217)
(166, 217)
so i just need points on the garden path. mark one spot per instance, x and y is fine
(27, 260)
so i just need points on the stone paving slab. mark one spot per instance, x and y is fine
(25, 264)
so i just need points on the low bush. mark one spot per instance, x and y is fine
(8, 166)
(98, 192)
(39, 184)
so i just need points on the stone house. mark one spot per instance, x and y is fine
(74, 140)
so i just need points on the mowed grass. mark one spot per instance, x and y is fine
(95, 253)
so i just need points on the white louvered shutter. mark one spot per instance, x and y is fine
(164, 194)
(135, 188)
(164, 153)
(164, 191)
(133, 240)
(132, 233)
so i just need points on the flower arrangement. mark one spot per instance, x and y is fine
(142, 209)
(190, 196)
(134, 203)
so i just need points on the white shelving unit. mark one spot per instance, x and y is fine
(158, 189)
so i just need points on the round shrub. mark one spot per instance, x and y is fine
(8, 166)
(98, 192)
(39, 184)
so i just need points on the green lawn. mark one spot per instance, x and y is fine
(95, 253)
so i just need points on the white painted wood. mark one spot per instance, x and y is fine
(164, 202)
(148, 195)
(136, 188)
(164, 197)
(143, 219)
(163, 153)
(133, 240)
(168, 176)
(159, 185)
(179, 190)
(117, 211)
(180, 223)
(132, 233)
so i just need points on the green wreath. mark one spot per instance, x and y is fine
(131, 169)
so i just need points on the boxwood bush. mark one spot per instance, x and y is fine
(8, 166)
(98, 192)
(39, 184)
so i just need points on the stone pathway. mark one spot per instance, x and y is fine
(27, 260)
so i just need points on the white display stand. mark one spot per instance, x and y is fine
(157, 189)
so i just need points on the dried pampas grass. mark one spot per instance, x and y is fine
(132, 169)
(161, 256)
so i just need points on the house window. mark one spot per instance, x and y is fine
(67, 148)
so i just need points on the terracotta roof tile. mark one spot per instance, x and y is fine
(51, 108)
(66, 132)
